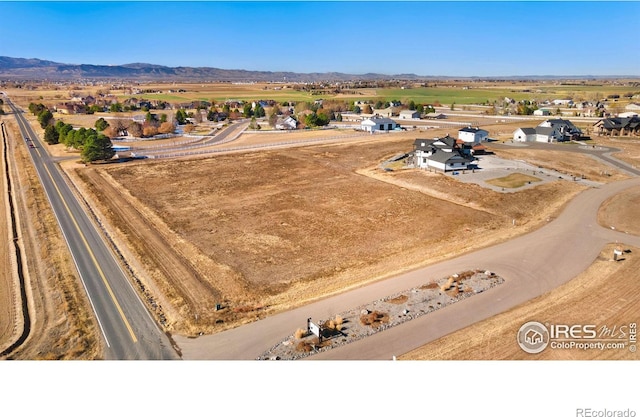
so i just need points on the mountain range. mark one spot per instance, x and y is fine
(38, 69)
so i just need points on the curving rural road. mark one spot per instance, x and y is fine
(531, 265)
(128, 329)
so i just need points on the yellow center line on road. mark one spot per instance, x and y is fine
(93, 258)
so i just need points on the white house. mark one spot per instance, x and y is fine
(448, 161)
(564, 129)
(442, 154)
(472, 135)
(287, 124)
(542, 112)
(561, 102)
(524, 134)
(378, 124)
(537, 134)
(409, 114)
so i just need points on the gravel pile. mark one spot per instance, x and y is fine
(384, 313)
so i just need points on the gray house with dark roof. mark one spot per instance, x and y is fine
(618, 126)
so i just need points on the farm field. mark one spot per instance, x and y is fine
(459, 92)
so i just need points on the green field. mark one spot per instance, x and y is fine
(446, 95)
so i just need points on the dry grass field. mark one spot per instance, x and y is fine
(515, 180)
(590, 298)
(259, 232)
(621, 212)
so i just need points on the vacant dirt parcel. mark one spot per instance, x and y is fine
(227, 239)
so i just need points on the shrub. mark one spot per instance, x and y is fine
(300, 334)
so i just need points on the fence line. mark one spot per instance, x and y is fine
(258, 146)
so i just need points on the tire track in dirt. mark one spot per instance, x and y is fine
(188, 287)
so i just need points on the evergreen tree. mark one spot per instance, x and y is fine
(44, 118)
(51, 135)
(97, 148)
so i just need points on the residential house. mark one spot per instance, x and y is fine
(536, 134)
(618, 126)
(542, 112)
(565, 130)
(443, 154)
(524, 134)
(563, 102)
(472, 135)
(378, 124)
(288, 123)
(71, 108)
(409, 114)
(390, 111)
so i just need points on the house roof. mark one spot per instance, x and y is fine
(377, 120)
(422, 143)
(620, 122)
(449, 141)
(446, 157)
(527, 130)
(568, 123)
(542, 130)
(472, 130)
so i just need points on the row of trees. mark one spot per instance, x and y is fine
(93, 146)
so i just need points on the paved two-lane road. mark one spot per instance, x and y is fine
(128, 329)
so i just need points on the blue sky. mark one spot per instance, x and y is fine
(426, 38)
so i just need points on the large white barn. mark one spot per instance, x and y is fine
(378, 124)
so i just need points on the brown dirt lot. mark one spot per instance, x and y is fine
(630, 147)
(566, 163)
(621, 212)
(264, 231)
(590, 298)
